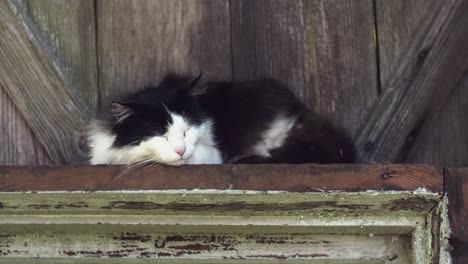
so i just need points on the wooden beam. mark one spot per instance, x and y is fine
(457, 192)
(433, 66)
(36, 83)
(69, 28)
(18, 144)
(295, 178)
(442, 139)
(439, 140)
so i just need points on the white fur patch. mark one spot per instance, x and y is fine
(275, 135)
(197, 143)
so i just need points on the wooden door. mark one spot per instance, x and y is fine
(392, 73)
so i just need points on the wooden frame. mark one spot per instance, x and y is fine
(228, 213)
(395, 113)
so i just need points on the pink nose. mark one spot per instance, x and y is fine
(180, 151)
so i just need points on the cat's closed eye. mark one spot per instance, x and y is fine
(210, 122)
(185, 132)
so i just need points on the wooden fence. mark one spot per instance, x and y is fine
(392, 73)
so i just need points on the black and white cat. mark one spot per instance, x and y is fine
(187, 120)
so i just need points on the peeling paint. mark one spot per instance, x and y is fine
(390, 226)
(417, 203)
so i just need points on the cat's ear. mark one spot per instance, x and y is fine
(198, 85)
(120, 111)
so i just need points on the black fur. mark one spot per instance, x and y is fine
(241, 112)
(148, 108)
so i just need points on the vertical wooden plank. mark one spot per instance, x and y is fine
(456, 185)
(18, 144)
(345, 62)
(324, 50)
(398, 21)
(268, 39)
(70, 31)
(441, 137)
(139, 41)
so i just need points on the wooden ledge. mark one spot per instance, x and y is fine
(222, 226)
(293, 178)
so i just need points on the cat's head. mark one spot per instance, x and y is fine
(161, 124)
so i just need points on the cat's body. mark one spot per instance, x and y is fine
(188, 121)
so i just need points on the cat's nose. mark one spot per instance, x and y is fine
(180, 151)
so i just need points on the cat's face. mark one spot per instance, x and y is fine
(161, 124)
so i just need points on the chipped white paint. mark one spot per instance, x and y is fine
(445, 257)
(385, 230)
(402, 222)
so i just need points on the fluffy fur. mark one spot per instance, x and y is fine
(189, 121)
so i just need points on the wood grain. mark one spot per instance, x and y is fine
(324, 50)
(398, 21)
(139, 41)
(297, 178)
(434, 64)
(457, 191)
(37, 87)
(18, 144)
(269, 40)
(70, 30)
(440, 138)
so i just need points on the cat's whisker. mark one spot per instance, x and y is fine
(122, 173)
(262, 119)
(134, 166)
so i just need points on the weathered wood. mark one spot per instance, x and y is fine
(297, 178)
(18, 144)
(213, 203)
(434, 64)
(457, 190)
(169, 261)
(139, 41)
(268, 39)
(324, 50)
(398, 22)
(217, 212)
(173, 243)
(37, 86)
(70, 29)
(442, 139)
(219, 224)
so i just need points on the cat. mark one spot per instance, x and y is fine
(186, 120)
